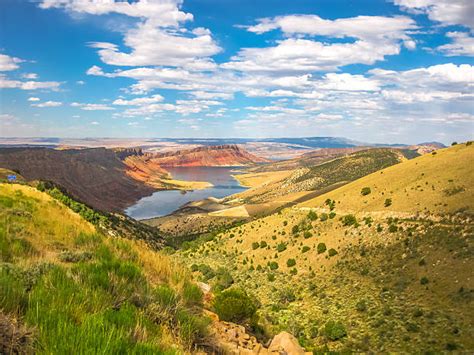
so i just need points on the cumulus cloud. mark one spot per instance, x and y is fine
(373, 38)
(8, 63)
(140, 101)
(157, 39)
(7, 83)
(462, 44)
(92, 107)
(33, 99)
(447, 12)
(48, 104)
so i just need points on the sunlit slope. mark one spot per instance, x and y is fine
(64, 288)
(435, 183)
(397, 278)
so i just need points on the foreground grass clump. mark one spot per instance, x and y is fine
(234, 305)
(80, 292)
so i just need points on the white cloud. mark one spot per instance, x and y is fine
(80, 82)
(162, 12)
(94, 123)
(156, 40)
(92, 107)
(155, 46)
(30, 76)
(374, 38)
(48, 104)
(139, 101)
(34, 99)
(462, 44)
(6, 83)
(447, 12)
(8, 63)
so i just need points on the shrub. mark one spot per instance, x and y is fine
(305, 249)
(293, 271)
(281, 247)
(388, 202)
(424, 280)
(349, 220)
(286, 295)
(312, 216)
(324, 217)
(273, 265)
(295, 229)
(263, 244)
(334, 330)
(321, 248)
(271, 277)
(290, 262)
(307, 235)
(255, 245)
(361, 306)
(332, 252)
(234, 305)
(365, 191)
(392, 228)
(223, 279)
(332, 215)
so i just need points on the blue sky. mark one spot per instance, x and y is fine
(375, 71)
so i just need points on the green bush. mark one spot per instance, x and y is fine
(234, 305)
(388, 202)
(321, 248)
(271, 277)
(263, 244)
(295, 229)
(334, 330)
(424, 280)
(290, 262)
(307, 235)
(305, 249)
(281, 247)
(332, 252)
(312, 216)
(361, 306)
(255, 245)
(332, 215)
(223, 279)
(349, 220)
(392, 228)
(365, 191)
(273, 265)
(323, 217)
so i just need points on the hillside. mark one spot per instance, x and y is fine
(64, 288)
(218, 155)
(320, 177)
(95, 176)
(351, 271)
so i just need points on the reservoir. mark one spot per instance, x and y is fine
(164, 202)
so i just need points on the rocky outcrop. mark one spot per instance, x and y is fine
(233, 339)
(95, 176)
(217, 155)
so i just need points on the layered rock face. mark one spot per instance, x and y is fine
(218, 155)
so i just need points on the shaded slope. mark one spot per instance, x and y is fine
(95, 176)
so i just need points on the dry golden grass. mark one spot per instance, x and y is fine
(418, 185)
(256, 179)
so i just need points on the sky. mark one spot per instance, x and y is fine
(395, 71)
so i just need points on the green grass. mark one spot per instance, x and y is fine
(84, 293)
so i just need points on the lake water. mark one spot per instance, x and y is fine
(162, 203)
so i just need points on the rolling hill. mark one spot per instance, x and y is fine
(380, 264)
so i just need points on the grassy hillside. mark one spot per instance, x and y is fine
(329, 174)
(65, 288)
(437, 182)
(350, 271)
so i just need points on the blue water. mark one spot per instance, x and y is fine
(162, 203)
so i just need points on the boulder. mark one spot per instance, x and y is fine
(285, 344)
